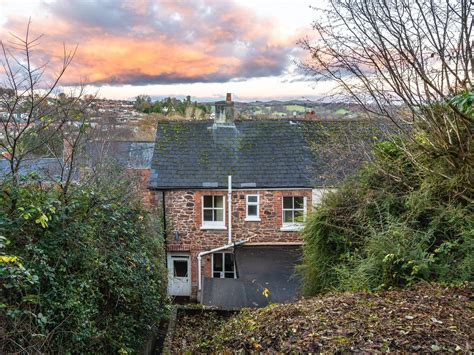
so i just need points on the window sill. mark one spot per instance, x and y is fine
(252, 219)
(207, 227)
(292, 228)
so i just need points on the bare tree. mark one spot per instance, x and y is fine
(399, 59)
(74, 110)
(38, 120)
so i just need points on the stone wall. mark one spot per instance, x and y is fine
(183, 222)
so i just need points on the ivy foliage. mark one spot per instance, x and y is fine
(82, 274)
(405, 217)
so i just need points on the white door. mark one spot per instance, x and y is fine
(179, 274)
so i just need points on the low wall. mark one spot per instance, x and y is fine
(265, 274)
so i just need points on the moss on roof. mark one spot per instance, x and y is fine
(269, 153)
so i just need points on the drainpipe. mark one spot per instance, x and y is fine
(229, 233)
(163, 215)
(229, 209)
(203, 253)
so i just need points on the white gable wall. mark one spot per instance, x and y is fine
(317, 194)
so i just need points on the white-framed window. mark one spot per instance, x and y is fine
(294, 212)
(252, 208)
(213, 212)
(223, 265)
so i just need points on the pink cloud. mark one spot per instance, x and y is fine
(155, 42)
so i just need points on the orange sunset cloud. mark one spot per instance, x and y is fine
(158, 42)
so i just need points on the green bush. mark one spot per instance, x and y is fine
(398, 220)
(84, 273)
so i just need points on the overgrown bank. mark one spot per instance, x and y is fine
(423, 318)
(81, 272)
(405, 217)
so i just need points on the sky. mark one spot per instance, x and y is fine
(202, 48)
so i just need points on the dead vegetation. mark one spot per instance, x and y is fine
(423, 318)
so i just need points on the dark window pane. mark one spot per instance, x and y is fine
(229, 275)
(218, 262)
(229, 262)
(252, 210)
(219, 201)
(299, 202)
(287, 216)
(219, 215)
(288, 202)
(252, 198)
(208, 215)
(180, 268)
(207, 201)
(216, 274)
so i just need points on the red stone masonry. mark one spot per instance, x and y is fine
(183, 215)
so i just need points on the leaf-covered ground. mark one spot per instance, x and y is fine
(423, 318)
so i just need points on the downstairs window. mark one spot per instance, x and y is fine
(223, 265)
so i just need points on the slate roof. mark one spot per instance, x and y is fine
(339, 147)
(45, 168)
(128, 154)
(261, 154)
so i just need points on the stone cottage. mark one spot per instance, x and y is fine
(235, 194)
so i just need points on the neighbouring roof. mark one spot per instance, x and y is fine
(261, 154)
(127, 154)
(44, 168)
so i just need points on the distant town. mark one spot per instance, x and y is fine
(181, 177)
(135, 120)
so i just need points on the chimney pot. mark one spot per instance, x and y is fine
(224, 111)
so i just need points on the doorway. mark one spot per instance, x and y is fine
(179, 274)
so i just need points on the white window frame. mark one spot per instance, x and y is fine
(213, 224)
(247, 204)
(223, 265)
(293, 226)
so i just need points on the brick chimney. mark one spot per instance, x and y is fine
(225, 111)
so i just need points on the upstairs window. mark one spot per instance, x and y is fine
(294, 211)
(253, 213)
(213, 211)
(223, 265)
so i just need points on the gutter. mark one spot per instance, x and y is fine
(221, 188)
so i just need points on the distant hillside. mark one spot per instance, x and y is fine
(297, 109)
(185, 108)
(136, 120)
